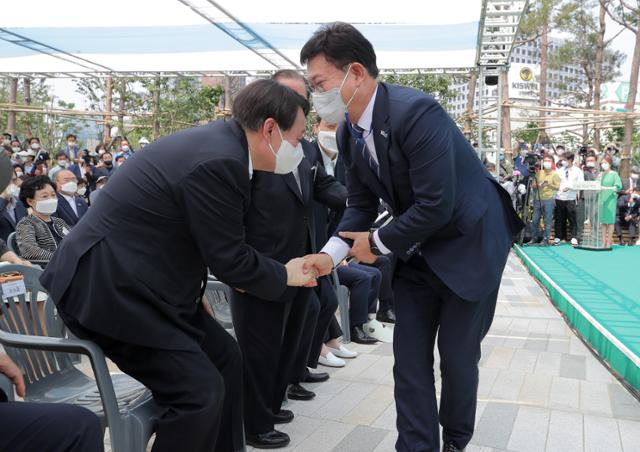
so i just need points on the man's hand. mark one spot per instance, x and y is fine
(321, 262)
(360, 248)
(207, 307)
(12, 371)
(300, 273)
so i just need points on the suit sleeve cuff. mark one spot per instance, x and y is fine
(336, 248)
(383, 249)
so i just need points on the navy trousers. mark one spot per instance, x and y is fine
(48, 427)
(426, 308)
(364, 286)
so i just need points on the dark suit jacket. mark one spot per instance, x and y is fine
(65, 211)
(326, 218)
(91, 178)
(132, 269)
(447, 207)
(7, 224)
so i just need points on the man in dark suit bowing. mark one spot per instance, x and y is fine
(451, 231)
(131, 274)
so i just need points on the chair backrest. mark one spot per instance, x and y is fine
(27, 314)
(12, 243)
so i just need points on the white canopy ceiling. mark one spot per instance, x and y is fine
(204, 36)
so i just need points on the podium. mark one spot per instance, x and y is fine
(592, 237)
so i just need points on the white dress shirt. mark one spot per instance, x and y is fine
(72, 202)
(329, 163)
(568, 178)
(337, 248)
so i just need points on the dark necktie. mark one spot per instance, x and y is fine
(357, 133)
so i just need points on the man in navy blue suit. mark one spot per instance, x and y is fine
(451, 232)
(71, 206)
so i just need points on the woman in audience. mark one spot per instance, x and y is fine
(39, 234)
(611, 185)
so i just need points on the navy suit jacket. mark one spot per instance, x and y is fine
(7, 224)
(65, 211)
(91, 178)
(133, 268)
(447, 208)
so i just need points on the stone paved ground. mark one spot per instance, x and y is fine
(540, 390)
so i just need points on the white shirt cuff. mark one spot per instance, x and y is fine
(383, 249)
(337, 248)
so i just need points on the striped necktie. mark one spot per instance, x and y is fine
(357, 133)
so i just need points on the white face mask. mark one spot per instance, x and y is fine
(327, 140)
(16, 149)
(591, 165)
(288, 156)
(605, 166)
(329, 105)
(14, 190)
(62, 163)
(69, 187)
(35, 146)
(18, 173)
(125, 148)
(47, 207)
(82, 191)
(547, 165)
(635, 176)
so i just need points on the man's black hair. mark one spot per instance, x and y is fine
(341, 44)
(264, 99)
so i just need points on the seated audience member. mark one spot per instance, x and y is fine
(628, 213)
(102, 181)
(363, 283)
(82, 190)
(12, 209)
(333, 351)
(39, 234)
(53, 427)
(71, 206)
(386, 311)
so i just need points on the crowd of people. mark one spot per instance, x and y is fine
(558, 209)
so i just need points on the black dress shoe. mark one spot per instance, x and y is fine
(318, 377)
(283, 417)
(387, 316)
(271, 440)
(360, 337)
(297, 392)
(451, 447)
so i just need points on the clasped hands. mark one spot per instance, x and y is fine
(304, 271)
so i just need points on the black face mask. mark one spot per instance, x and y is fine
(108, 163)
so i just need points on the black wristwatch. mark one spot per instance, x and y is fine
(372, 244)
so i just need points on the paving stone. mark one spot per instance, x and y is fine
(565, 394)
(530, 429)
(565, 432)
(629, 435)
(361, 439)
(623, 404)
(573, 366)
(601, 434)
(496, 423)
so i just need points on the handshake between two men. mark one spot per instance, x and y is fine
(304, 271)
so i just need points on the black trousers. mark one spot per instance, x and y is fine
(48, 427)
(334, 331)
(425, 307)
(631, 225)
(386, 265)
(200, 390)
(269, 334)
(566, 211)
(323, 304)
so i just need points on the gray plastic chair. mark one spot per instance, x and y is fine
(343, 303)
(218, 295)
(33, 335)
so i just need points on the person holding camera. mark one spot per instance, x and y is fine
(547, 183)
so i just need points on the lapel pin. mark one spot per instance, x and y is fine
(384, 133)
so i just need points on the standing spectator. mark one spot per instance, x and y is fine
(630, 183)
(27, 159)
(6, 139)
(102, 181)
(566, 198)
(72, 147)
(71, 207)
(120, 159)
(105, 166)
(611, 184)
(142, 142)
(125, 149)
(39, 234)
(628, 213)
(84, 169)
(62, 162)
(548, 183)
(12, 209)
